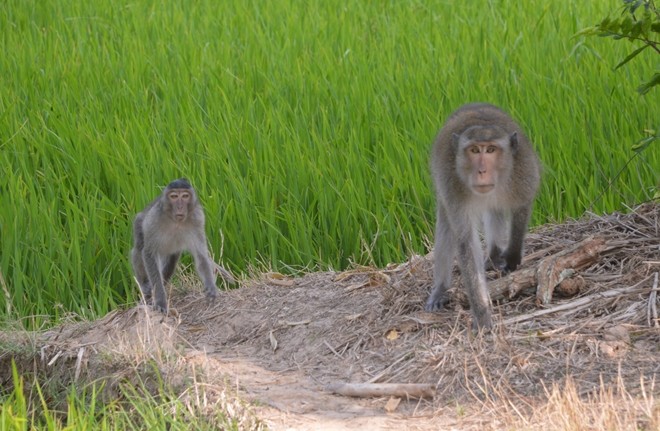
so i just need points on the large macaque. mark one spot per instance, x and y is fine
(486, 173)
(171, 224)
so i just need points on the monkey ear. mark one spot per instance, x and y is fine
(514, 141)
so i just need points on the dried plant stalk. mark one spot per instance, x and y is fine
(404, 390)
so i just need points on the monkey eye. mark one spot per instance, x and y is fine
(185, 195)
(491, 149)
(173, 195)
(474, 149)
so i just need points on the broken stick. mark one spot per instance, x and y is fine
(553, 270)
(578, 304)
(364, 390)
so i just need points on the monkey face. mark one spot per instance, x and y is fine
(178, 202)
(483, 158)
(485, 164)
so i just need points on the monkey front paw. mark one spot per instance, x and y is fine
(512, 260)
(508, 269)
(160, 307)
(146, 293)
(436, 302)
(496, 265)
(212, 294)
(482, 324)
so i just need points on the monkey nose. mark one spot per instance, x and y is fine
(481, 168)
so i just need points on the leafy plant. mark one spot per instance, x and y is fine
(639, 22)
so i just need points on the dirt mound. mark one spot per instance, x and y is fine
(282, 341)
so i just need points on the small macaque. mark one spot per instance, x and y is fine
(486, 175)
(169, 225)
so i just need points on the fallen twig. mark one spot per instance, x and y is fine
(576, 305)
(551, 271)
(405, 390)
(582, 254)
(225, 274)
(386, 370)
(653, 308)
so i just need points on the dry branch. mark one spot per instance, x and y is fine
(404, 390)
(513, 284)
(228, 276)
(578, 304)
(653, 309)
(553, 270)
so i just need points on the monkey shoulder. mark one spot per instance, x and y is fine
(197, 216)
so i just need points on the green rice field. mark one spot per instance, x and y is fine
(305, 127)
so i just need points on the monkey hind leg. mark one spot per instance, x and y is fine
(496, 231)
(513, 254)
(145, 288)
(496, 260)
(206, 271)
(443, 260)
(170, 266)
(141, 274)
(160, 299)
(155, 282)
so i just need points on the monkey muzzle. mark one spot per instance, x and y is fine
(180, 211)
(483, 188)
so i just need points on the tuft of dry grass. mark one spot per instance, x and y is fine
(610, 408)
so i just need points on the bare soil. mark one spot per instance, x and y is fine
(278, 342)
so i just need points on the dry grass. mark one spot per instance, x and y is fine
(589, 362)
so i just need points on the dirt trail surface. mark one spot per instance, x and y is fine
(281, 341)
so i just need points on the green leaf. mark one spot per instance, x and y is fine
(631, 56)
(589, 31)
(609, 25)
(647, 23)
(636, 30)
(645, 87)
(640, 145)
(604, 23)
(626, 25)
(633, 5)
